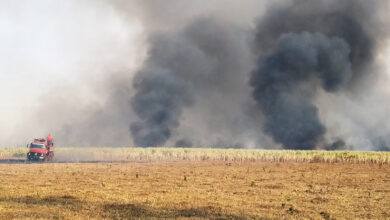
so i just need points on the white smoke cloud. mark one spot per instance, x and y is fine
(59, 51)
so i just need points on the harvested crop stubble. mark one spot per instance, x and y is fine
(193, 189)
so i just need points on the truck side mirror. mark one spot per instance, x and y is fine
(27, 145)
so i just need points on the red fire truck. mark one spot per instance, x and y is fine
(40, 149)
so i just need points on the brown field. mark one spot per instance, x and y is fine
(195, 190)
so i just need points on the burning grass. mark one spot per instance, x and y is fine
(194, 189)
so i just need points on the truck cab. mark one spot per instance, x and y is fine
(39, 149)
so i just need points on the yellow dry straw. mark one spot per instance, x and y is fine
(205, 154)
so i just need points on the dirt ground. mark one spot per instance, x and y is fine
(196, 190)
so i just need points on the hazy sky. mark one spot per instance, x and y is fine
(67, 67)
(48, 46)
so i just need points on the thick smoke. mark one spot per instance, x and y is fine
(304, 47)
(246, 74)
(181, 65)
(160, 96)
(279, 86)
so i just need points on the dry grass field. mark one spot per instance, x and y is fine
(173, 183)
(92, 154)
(195, 190)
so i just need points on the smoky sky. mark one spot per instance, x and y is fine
(204, 56)
(305, 47)
(298, 58)
(352, 21)
(300, 47)
(293, 74)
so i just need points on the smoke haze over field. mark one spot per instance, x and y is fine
(254, 74)
(327, 41)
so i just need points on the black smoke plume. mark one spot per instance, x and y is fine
(226, 73)
(183, 67)
(303, 47)
(159, 99)
(279, 86)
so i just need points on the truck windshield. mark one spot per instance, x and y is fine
(37, 145)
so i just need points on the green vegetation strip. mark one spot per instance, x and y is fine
(201, 154)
